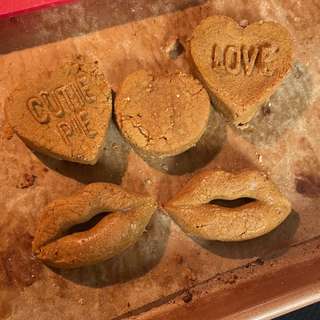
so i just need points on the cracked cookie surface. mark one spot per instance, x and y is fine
(193, 211)
(162, 115)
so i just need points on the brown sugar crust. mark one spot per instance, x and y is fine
(128, 216)
(192, 211)
(240, 67)
(66, 117)
(162, 115)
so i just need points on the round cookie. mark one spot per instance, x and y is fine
(161, 115)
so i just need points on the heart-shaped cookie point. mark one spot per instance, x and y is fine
(66, 117)
(240, 67)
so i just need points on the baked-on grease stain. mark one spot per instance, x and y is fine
(20, 266)
(308, 185)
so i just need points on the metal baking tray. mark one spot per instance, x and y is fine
(166, 274)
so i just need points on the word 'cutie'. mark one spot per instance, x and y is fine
(229, 60)
(71, 98)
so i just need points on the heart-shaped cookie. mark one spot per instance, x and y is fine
(161, 115)
(66, 117)
(240, 67)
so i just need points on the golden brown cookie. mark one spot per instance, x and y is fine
(66, 117)
(240, 67)
(192, 211)
(55, 244)
(161, 115)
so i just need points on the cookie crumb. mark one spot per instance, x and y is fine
(189, 273)
(165, 167)
(145, 182)
(7, 132)
(178, 258)
(244, 23)
(230, 278)
(243, 126)
(187, 297)
(28, 180)
(172, 44)
(81, 301)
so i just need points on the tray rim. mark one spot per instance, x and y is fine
(295, 282)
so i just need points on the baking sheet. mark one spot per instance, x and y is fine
(282, 140)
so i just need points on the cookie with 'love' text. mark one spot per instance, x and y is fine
(240, 67)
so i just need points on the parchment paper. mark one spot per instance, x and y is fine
(282, 140)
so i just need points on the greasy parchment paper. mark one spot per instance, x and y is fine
(282, 140)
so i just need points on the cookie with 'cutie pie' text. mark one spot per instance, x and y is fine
(66, 117)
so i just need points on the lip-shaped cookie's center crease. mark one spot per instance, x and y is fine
(240, 209)
(83, 224)
(93, 223)
(232, 203)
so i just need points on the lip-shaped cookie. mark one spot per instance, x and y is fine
(192, 211)
(161, 115)
(66, 117)
(240, 67)
(128, 216)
